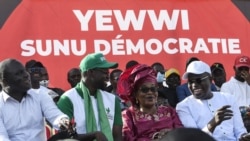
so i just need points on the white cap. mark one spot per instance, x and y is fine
(197, 67)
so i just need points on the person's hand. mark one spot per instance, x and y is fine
(163, 132)
(246, 76)
(160, 134)
(72, 128)
(221, 115)
(64, 123)
(99, 136)
(245, 137)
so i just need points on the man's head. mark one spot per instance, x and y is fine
(95, 70)
(199, 78)
(114, 76)
(242, 61)
(74, 76)
(241, 67)
(189, 60)
(44, 77)
(33, 64)
(13, 77)
(158, 67)
(173, 79)
(160, 71)
(218, 74)
(131, 63)
(35, 70)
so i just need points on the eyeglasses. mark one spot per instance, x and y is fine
(197, 80)
(102, 71)
(147, 89)
(34, 70)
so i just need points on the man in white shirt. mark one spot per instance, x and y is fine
(35, 68)
(216, 113)
(239, 85)
(22, 112)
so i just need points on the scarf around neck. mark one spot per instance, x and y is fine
(89, 112)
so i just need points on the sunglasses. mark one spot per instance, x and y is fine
(102, 71)
(35, 70)
(147, 89)
(197, 80)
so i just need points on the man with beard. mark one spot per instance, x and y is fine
(97, 113)
(22, 112)
(239, 85)
(214, 112)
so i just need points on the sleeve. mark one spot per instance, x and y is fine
(186, 118)
(180, 93)
(128, 130)
(118, 115)
(3, 133)
(66, 106)
(50, 110)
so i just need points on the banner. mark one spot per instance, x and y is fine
(60, 33)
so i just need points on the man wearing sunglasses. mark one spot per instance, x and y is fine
(216, 113)
(37, 71)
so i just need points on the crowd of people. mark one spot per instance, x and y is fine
(142, 103)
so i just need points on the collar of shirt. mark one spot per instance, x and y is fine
(6, 96)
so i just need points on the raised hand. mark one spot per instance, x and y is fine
(246, 76)
(222, 114)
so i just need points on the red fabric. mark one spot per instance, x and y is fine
(50, 131)
(124, 84)
(138, 126)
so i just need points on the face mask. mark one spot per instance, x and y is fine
(44, 83)
(160, 77)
